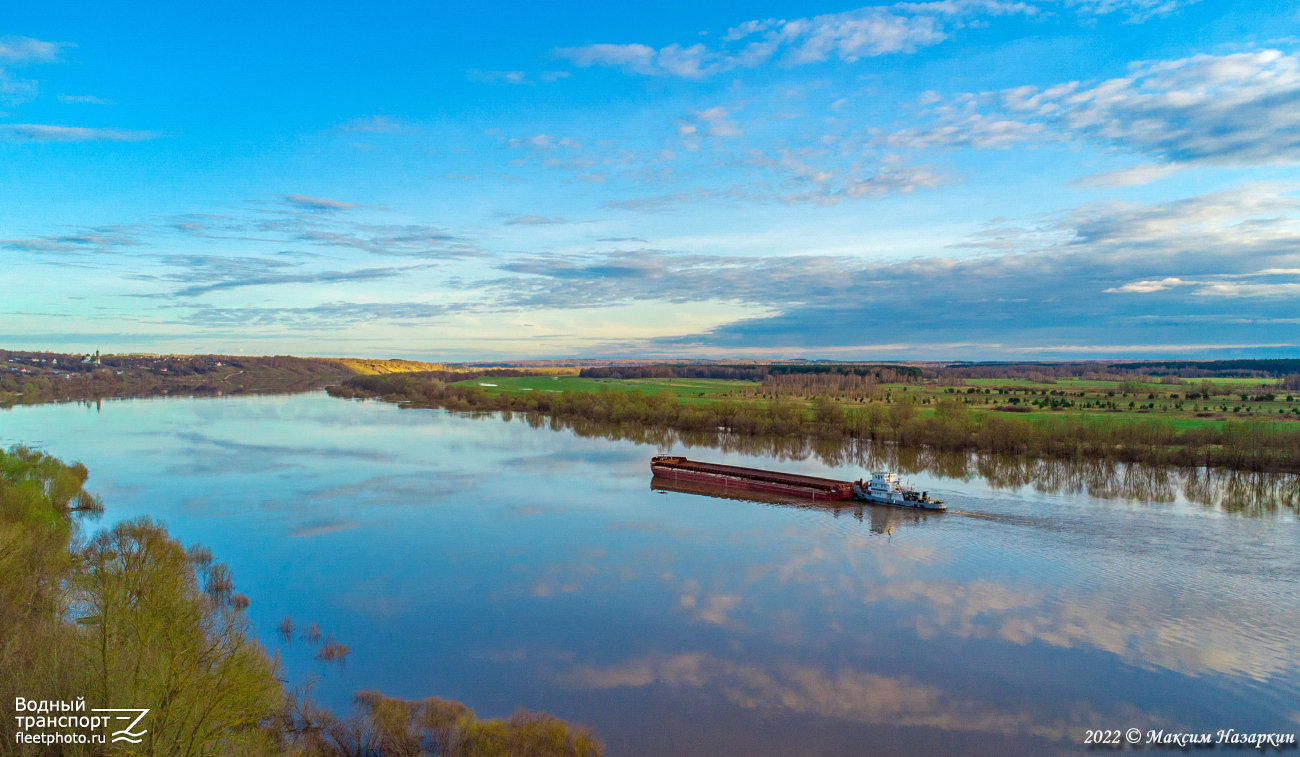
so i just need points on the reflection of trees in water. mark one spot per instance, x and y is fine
(1231, 491)
(1243, 492)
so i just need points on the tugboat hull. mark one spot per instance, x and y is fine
(897, 499)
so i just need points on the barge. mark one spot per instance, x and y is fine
(726, 477)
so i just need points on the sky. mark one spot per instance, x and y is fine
(951, 180)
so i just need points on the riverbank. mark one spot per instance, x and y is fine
(946, 424)
(33, 378)
(128, 615)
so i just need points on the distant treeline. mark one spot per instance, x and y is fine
(1045, 372)
(1110, 371)
(886, 374)
(130, 616)
(1274, 368)
(953, 427)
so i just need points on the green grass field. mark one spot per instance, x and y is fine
(686, 390)
(1078, 383)
(1165, 407)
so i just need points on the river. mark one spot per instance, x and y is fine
(506, 563)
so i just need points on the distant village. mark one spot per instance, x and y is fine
(65, 365)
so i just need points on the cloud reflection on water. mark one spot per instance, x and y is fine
(321, 528)
(1046, 600)
(844, 693)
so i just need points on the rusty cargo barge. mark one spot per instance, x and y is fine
(751, 479)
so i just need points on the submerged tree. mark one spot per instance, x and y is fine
(381, 726)
(165, 631)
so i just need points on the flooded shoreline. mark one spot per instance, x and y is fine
(1242, 492)
(508, 563)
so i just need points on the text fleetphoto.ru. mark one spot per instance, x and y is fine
(50, 722)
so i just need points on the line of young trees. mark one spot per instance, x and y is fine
(954, 427)
(128, 617)
(814, 384)
(888, 374)
(1150, 371)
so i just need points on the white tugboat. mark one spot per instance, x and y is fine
(886, 489)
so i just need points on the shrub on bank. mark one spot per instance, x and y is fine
(130, 618)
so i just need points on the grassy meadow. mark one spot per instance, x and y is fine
(1194, 404)
(683, 389)
(1250, 426)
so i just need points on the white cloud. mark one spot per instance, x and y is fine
(84, 100)
(717, 123)
(308, 202)
(1151, 286)
(14, 90)
(329, 316)
(48, 133)
(963, 127)
(516, 77)
(692, 62)
(867, 32)
(849, 36)
(856, 184)
(544, 142)
(1233, 289)
(1231, 110)
(1226, 285)
(23, 51)
(1079, 277)
(373, 125)
(649, 204)
(498, 77)
(1134, 11)
(1143, 173)
(633, 57)
(523, 220)
(1241, 109)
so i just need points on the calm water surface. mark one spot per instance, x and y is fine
(504, 565)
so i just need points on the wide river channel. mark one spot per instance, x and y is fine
(508, 564)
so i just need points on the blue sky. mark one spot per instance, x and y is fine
(944, 180)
